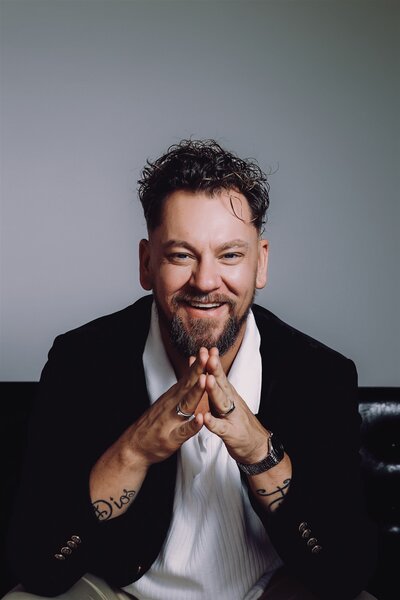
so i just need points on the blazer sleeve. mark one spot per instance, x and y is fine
(72, 425)
(321, 530)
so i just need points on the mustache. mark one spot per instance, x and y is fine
(204, 298)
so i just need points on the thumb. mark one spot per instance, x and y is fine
(189, 428)
(217, 426)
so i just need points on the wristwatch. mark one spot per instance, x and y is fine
(274, 456)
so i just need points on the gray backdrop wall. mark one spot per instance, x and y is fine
(90, 89)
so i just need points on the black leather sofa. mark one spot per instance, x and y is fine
(380, 411)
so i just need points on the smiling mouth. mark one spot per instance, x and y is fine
(204, 305)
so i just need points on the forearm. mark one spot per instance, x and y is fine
(271, 487)
(115, 479)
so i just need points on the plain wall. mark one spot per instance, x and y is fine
(310, 89)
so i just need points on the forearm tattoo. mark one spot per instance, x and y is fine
(280, 494)
(104, 509)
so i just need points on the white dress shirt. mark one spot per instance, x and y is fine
(216, 546)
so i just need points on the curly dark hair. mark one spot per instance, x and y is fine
(202, 165)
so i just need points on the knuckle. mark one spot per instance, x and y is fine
(223, 430)
(184, 404)
(163, 439)
(182, 432)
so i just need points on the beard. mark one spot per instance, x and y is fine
(189, 338)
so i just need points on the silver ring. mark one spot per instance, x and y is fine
(228, 412)
(181, 413)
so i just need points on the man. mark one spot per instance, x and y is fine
(195, 446)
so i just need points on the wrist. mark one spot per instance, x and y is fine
(257, 453)
(274, 455)
(129, 452)
(132, 459)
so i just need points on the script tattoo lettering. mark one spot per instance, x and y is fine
(281, 490)
(124, 499)
(104, 509)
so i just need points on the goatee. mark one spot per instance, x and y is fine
(188, 339)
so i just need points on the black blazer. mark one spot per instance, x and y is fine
(93, 387)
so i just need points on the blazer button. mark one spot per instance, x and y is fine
(306, 534)
(66, 551)
(76, 539)
(316, 550)
(139, 570)
(303, 526)
(72, 544)
(312, 542)
(59, 557)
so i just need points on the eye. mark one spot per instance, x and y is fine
(179, 257)
(232, 257)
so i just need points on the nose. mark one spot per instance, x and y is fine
(205, 275)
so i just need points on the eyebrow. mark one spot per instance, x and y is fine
(234, 244)
(238, 243)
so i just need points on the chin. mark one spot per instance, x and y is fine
(202, 333)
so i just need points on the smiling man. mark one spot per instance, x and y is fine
(192, 445)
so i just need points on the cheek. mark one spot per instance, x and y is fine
(242, 279)
(171, 278)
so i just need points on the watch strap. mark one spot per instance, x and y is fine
(275, 455)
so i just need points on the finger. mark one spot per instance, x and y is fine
(197, 367)
(176, 393)
(190, 398)
(214, 367)
(220, 400)
(190, 380)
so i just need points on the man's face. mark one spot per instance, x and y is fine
(203, 264)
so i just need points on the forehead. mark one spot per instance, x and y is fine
(199, 215)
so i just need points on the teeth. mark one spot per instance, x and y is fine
(201, 305)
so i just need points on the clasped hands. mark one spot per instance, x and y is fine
(160, 431)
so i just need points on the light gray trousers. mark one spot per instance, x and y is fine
(90, 587)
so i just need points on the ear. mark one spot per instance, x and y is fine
(262, 264)
(146, 279)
